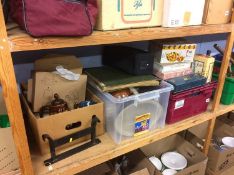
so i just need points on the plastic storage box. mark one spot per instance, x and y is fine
(189, 103)
(186, 82)
(136, 114)
(228, 90)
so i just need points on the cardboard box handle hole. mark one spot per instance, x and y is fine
(73, 125)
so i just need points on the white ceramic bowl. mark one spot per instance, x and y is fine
(174, 160)
(169, 172)
(228, 141)
(156, 162)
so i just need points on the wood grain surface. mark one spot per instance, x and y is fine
(20, 41)
(108, 149)
(11, 97)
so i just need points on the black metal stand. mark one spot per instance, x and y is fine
(67, 139)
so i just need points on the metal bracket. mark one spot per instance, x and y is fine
(67, 139)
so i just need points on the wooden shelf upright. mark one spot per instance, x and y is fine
(16, 40)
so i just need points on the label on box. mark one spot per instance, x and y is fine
(135, 11)
(178, 53)
(142, 123)
(179, 104)
(199, 67)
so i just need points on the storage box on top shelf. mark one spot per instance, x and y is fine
(123, 14)
(181, 105)
(217, 12)
(219, 158)
(173, 51)
(136, 114)
(182, 12)
(8, 157)
(56, 126)
(196, 160)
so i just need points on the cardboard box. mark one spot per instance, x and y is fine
(141, 172)
(203, 65)
(138, 164)
(217, 12)
(173, 51)
(182, 12)
(55, 125)
(123, 14)
(46, 84)
(218, 161)
(228, 119)
(196, 160)
(14, 172)
(229, 171)
(102, 169)
(197, 134)
(8, 157)
(50, 62)
(108, 169)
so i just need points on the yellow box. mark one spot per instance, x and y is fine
(120, 14)
(204, 65)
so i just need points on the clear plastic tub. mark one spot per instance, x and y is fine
(134, 115)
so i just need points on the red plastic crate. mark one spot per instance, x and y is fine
(189, 103)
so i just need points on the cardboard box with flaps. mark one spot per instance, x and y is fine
(55, 125)
(219, 159)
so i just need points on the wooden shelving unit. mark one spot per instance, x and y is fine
(108, 149)
(12, 39)
(20, 41)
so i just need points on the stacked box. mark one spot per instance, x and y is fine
(121, 14)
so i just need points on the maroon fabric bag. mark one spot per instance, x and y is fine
(55, 17)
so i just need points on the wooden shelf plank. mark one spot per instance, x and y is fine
(20, 41)
(108, 149)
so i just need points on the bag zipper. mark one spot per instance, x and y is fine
(73, 1)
